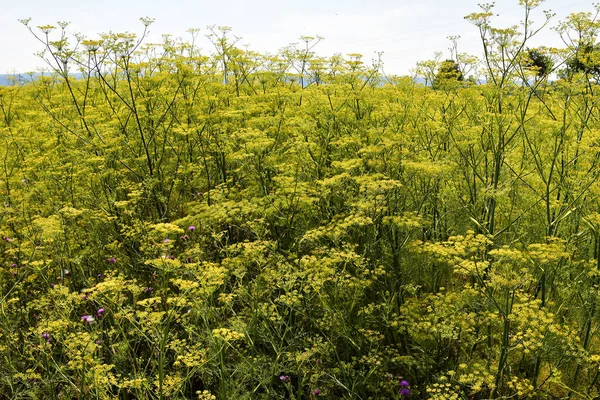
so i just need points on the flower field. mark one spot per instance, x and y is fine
(180, 224)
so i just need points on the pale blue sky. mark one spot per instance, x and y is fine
(406, 31)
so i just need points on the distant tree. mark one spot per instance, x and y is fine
(580, 32)
(448, 73)
(586, 59)
(539, 62)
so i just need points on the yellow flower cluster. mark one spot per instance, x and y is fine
(228, 335)
(205, 395)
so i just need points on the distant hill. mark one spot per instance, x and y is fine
(10, 79)
(4, 80)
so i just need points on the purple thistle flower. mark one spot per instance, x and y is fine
(52, 285)
(191, 228)
(99, 342)
(111, 260)
(316, 392)
(148, 290)
(45, 336)
(100, 311)
(14, 265)
(88, 318)
(99, 276)
(166, 240)
(284, 378)
(6, 239)
(405, 392)
(404, 383)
